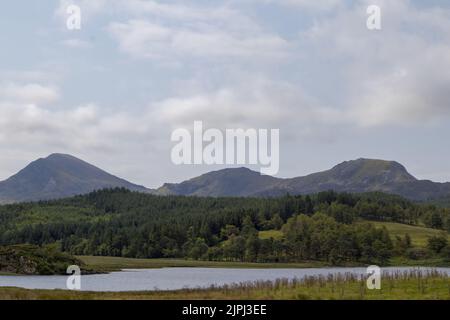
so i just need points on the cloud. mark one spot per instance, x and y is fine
(176, 30)
(156, 29)
(89, 8)
(76, 43)
(316, 5)
(26, 119)
(385, 83)
(181, 11)
(260, 103)
(141, 38)
(393, 76)
(413, 95)
(28, 93)
(85, 128)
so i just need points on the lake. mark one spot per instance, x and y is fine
(179, 278)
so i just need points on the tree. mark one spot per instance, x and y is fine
(402, 245)
(276, 222)
(437, 243)
(433, 219)
(234, 248)
(252, 248)
(196, 249)
(248, 228)
(228, 231)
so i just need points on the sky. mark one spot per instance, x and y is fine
(112, 92)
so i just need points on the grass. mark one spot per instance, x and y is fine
(419, 235)
(118, 263)
(416, 285)
(267, 234)
(109, 264)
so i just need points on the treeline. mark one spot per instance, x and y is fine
(316, 237)
(118, 222)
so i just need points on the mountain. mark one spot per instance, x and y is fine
(58, 176)
(61, 175)
(228, 182)
(362, 175)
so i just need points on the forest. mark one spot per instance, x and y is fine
(328, 226)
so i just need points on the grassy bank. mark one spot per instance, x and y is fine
(400, 286)
(117, 263)
(108, 264)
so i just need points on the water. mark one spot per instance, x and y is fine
(179, 278)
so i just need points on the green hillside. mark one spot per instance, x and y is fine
(419, 235)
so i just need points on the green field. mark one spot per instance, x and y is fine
(419, 235)
(393, 287)
(267, 234)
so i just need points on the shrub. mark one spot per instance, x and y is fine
(418, 253)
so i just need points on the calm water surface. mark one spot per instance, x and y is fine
(179, 278)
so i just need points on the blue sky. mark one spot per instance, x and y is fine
(112, 92)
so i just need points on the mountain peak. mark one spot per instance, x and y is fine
(61, 156)
(382, 171)
(57, 176)
(225, 182)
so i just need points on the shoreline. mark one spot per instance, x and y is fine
(105, 264)
(118, 263)
(399, 286)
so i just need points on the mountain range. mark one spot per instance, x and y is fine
(61, 175)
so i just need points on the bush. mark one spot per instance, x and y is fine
(445, 252)
(418, 253)
(437, 243)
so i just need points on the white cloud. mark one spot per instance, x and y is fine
(76, 43)
(174, 31)
(28, 93)
(393, 76)
(321, 5)
(259, 103)
(86, 127)
(26, 119)
(89, 8)
(141, 38)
